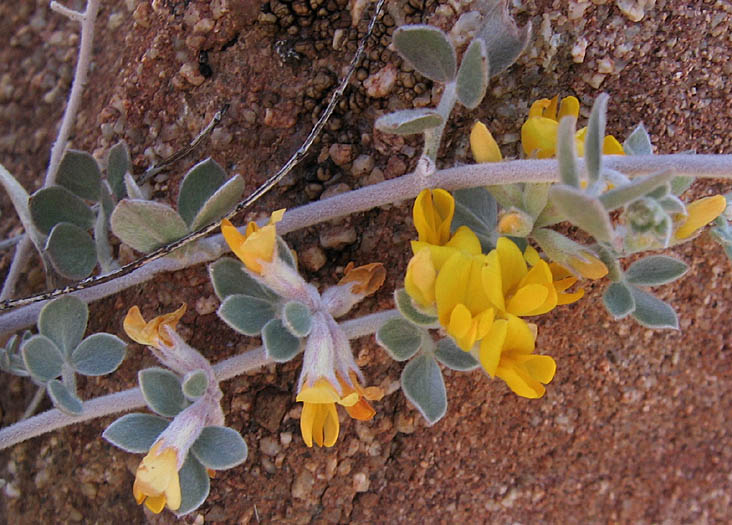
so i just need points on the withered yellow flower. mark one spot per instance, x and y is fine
(151, 333)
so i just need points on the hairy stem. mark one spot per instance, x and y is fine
(132, 398)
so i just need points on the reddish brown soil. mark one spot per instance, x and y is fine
(635, 427)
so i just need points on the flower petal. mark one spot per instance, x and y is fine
(466, 240)
(156, 503)
(492, 345)
(512, 263)
(432, 213)
(307, 420)
(331, 425)
(541, 367)
(699, 214)
(569, 107)
(483, 145)
(611, 146)
(527, 299)
(520, 339)
(539, 137)
(520, 382)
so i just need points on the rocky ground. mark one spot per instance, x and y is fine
(635, 426)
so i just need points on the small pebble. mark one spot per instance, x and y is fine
(381, 83)
(313, 258)
(362, 165)
(302, 485)
(338, 237)
(341, 154)
(361, 482)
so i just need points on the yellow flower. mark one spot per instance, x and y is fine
(539, 132)
(256, 245)
(420, 278)
(368, 278)
(151, 333)
(156, 480)
(507, 352)
(588, 266)
(699, 214)
(432, 213)
(319, 419)
(483, 145)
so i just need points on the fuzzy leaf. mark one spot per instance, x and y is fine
(504, 40)
(229, 277)
(195, 384)
(652, 312)
(280, 344)
(583, 211)
(428, 49)
(640, 187)
(400, 338)
(655, 270)
(638, 142)
(618, 300)
(595, 138)
(680, 184)
(52, 205)
(80, 174)
(199, 184)
(507, 195)
(285, 254)
(220, 203)
(408, 121)
(194, 485)
(63, 320)
(297, 318)
(672, 204)
(477, 209)
(135, 433)
(19, 197)
(42, 358)
(536, 197)
(566, 154)
(118, 164)
(63, 398)
(98, 354)
(424, 387)
(246, 314)
(132, 190)
(146, 225)
(450, 355)
(101, 240)
(220, 448)
(71, 251)
(472, 77)
(162, 391)
(409, 311)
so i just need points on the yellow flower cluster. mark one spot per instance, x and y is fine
(480, 298)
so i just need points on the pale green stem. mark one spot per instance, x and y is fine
(433, 137)
(132, 398)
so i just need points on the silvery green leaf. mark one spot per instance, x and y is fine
(136, 432)
(52, 205)
(42, 358)
(246, 314)
(408, 121)
(194, 485)
(660, 192)
(409, 311)
(680, 184)
(118, 164)
(428, 49)
(63, 320)
(566, 154)
(101, 244)
(655, 270)
(424, 387)
(199, 184)
(98, 354)
(285, 254)
(195, 384)
(638, 142)
(652, 312)
(19, 197)
(507, 195)
(63, 398)
(229, 277)
(162, 391)
(639, 187)
(146, 225)
(672, 204)
(595, 138)
(220, 203)
(106, 200)
(476, 208)
(297, 318)
(280, 344)
(220, 448)
(618, 300)
(450, 355)
(472, 77)
(80, 174)
(535, 197)
(71, 251)
(583, 211)
(504, 40)
(132, 190)
(400, 338)
(548, 217)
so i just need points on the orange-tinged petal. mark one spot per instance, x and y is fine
(156, 503)
(151, 333)
(362, 411)
(368, 277)
(699, 214)
(538, 108)
(590, 268)
(483, 145)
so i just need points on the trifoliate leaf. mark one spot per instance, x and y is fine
(280, 344)
(71, 251)
(409, 311)
(297, 318)
(80, 174)
(199, 184)
(98, 354)
(52, 205)
(135, 433)
(146, 225)
(195, 384)
(450, 355)
(162, 391)
(194, 485)
(652, 312)
(618, 300)
(428, 49)
(655, 270)
(472, 77)
(63, 398)
(246, 314)
(42, 358)
(63, 320)
(220, 448)
(424, 387)
(400, 338)
(408, 121)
